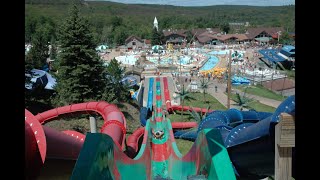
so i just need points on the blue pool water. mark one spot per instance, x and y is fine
(220, 52)
(185, 60)
(211, 63)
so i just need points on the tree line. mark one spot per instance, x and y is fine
(112, 23)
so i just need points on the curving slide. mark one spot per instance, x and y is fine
(158, 157)
(248, 136)
(43, 142)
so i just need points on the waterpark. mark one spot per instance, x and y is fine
(227, 144)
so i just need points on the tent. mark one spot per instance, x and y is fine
(102, 48)
(40, 78)
(156, 48)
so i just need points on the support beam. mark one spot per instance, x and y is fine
(93, 124)
(284, 142)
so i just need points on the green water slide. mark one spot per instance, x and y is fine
(100, 158)
(158, 157)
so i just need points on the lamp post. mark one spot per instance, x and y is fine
(229, 81)
(279, 33)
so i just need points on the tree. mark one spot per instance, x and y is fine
(225, 27)
(183, 95)
(53, 50)
(116, 90)
(81, 74)
(204, 85)
(155, 37)
(38, 54)
(198, 117)
(242, 101)
(285, 38)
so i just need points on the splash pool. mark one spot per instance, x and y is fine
(211, 63)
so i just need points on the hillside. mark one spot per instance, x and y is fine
(138, 19)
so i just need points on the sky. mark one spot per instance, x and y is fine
(208, 2)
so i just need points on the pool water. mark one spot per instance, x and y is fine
(221, 52)
(211, 63)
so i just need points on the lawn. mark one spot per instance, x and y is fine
(256, 105)
(261, 91)
(184, 146)
(197, 102)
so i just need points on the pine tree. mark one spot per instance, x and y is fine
(81, 75)
(116, 90)
(155, 37)
(38, 54)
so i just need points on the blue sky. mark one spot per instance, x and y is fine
(209, 2)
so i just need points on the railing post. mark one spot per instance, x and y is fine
(284, 142)
(93, 124)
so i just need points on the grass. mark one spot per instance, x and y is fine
(256, 105)
(259, 90)
(210, 101)
(198, 102)
(184, 146)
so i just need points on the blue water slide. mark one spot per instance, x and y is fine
(143, 115)
(251, 148)
(150, 94)
(248, 136)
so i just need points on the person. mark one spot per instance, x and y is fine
(216, 88)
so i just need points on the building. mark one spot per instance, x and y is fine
(263, 34)
(175, 37)
(155, 23)
(134, 43)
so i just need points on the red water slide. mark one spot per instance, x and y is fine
(188, 108)
(133, 139)
(35, 145)
(167, 94)
(114, 126)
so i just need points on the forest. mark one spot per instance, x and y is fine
(112, 23)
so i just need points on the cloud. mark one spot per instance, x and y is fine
(209, 2)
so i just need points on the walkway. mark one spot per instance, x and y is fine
(223, 98)
(263, 100)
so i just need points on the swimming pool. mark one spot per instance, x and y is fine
(220, 52)
(131, 60)
(211, 63)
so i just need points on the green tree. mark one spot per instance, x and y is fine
(116, 91)
(204, 85)
(81, 73)
(198, 117)
(38, 54)
(225, 27)
(155, 37)
(183, 95)
(285, 38)
(242, 101)
(53, 50)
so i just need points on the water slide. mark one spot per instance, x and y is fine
(43, 142)
(247, 135)
(167, 98)
(158, 157)
(150, 94)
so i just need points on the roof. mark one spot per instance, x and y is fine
(147, 41)
(130, 38)
(180, 32)
(238, 37)
(253, 32)
(271, 55)
(289, 48)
